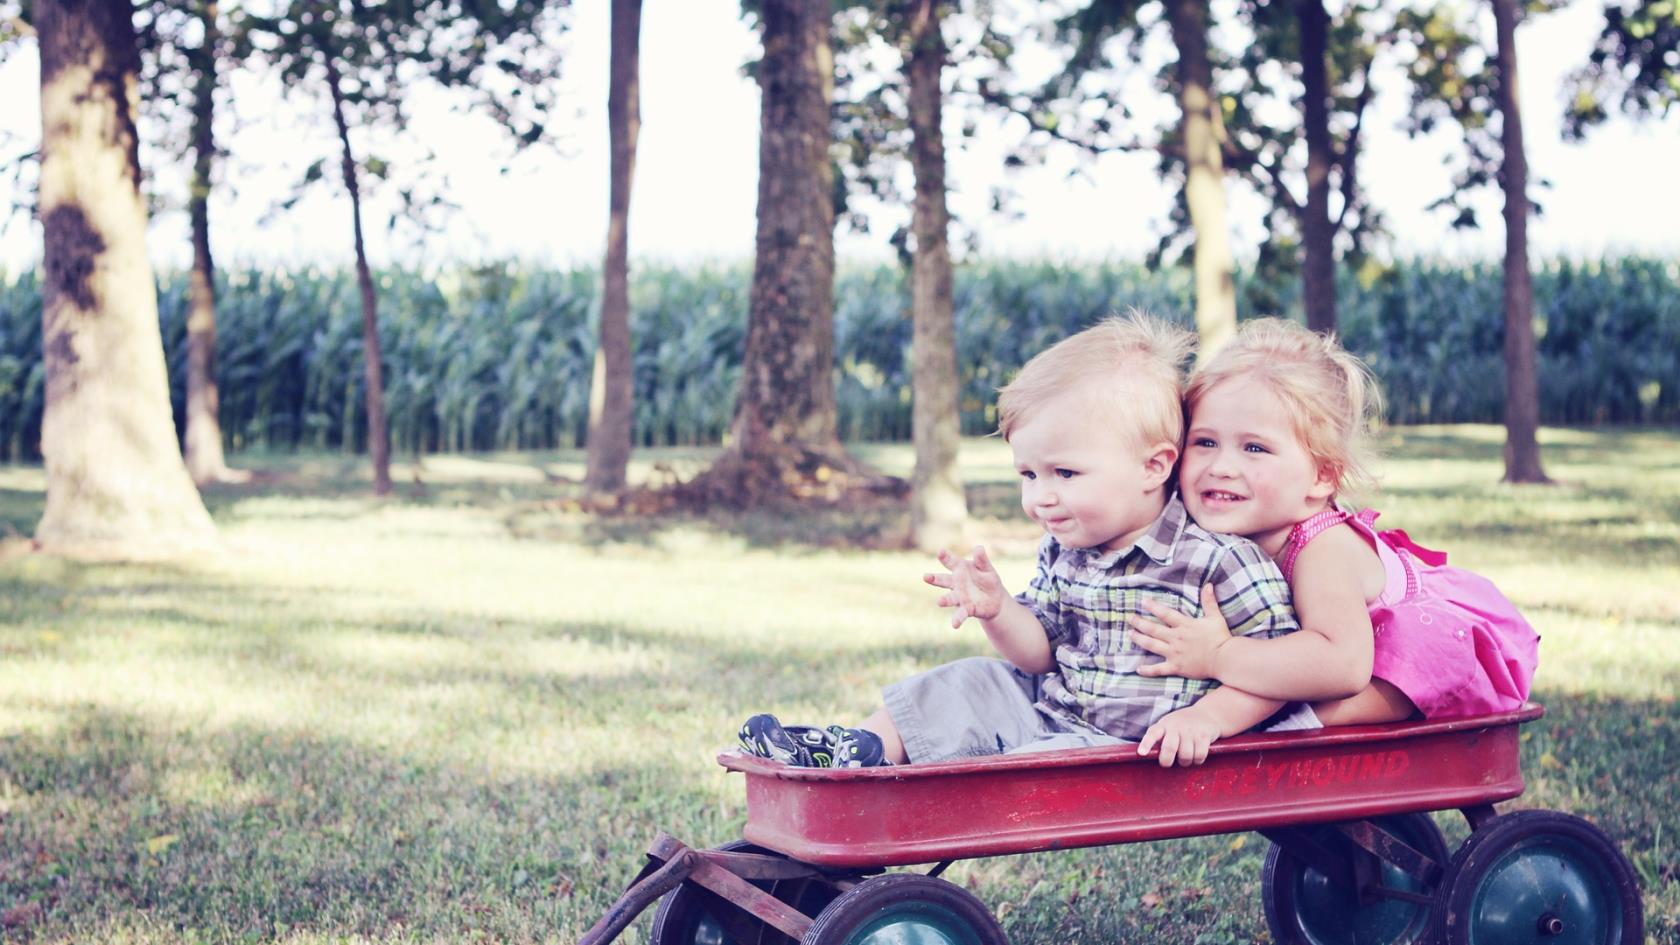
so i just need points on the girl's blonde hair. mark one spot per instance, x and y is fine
(1132, 367)
(1332, 398)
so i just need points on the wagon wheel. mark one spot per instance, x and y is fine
(1539, 877)
(903, 908)
(688, 915)
(1306, 907)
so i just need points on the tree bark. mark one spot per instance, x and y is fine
(611, 391)
(1318, 231)
(202, 444)
(1522, 383)
(1203, 129)
(115, 479)
(783, 444)
(787, 375)
(379, 441)
(938, 507)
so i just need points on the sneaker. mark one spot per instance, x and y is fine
(856, 748)
(802, 746)
(819, 742)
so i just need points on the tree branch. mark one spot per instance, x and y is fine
(1036, 122)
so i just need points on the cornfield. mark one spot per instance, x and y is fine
(499, 357)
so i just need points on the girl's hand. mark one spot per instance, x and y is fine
(975, 589)
(1189, 644)
(1185, 737)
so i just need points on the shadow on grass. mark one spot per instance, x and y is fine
(1609, 525)
(874, 525)
(1559, 445)
(20, 509)
(248, 833)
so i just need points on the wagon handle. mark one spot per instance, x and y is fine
(647, 888)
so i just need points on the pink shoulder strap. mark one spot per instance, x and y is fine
(1400, 555)
(1306, 531)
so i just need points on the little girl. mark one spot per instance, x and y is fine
(1279, 422)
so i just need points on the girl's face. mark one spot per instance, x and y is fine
(1244, 470)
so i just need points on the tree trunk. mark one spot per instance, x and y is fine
(787, 376)
(379, 441)
(1522, 384)
(611, 390)
(1318, 232)
(938, 508)
(1204, 189)
(787, 379)
(203, 442)
(115, 479)
(783, 444)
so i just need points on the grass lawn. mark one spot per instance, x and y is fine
(460, 715)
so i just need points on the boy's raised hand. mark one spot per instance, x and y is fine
(972, 586)
(1189, 644)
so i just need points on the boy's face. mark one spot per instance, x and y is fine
(1245, 471)
(1085, 482)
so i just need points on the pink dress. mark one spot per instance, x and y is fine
(1446, 638)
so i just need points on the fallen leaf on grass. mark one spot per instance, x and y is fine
(161, 843)
(1150, 899)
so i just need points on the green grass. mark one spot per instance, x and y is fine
(460, 715)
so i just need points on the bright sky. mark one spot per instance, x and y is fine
(695, 185)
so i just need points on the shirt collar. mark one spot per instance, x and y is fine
(1157, 541)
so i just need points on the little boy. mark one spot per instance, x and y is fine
(1095, 425)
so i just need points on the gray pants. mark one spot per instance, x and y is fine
(985, 706)
(979, 706)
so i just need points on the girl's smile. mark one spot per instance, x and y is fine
(1214, 497)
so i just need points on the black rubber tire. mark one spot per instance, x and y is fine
(905, 907)
(684, 915)
(1303, 907)
(1539, 876)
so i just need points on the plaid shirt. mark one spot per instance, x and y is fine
(1087, 600)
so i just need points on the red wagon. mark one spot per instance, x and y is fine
(1355, 857)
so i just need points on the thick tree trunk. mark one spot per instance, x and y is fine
(784, 443)
(1204, 189)
(1522, 383)
(115, 479)
(611, 409)
(938, 508)
(787, 376)
(1318, 232)
(202, 444)
(379, 441)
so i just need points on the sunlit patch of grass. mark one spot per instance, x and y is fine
(460, 714)
(23, 479)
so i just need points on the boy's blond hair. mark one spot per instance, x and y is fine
(1332, 398)
(1130, 367)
